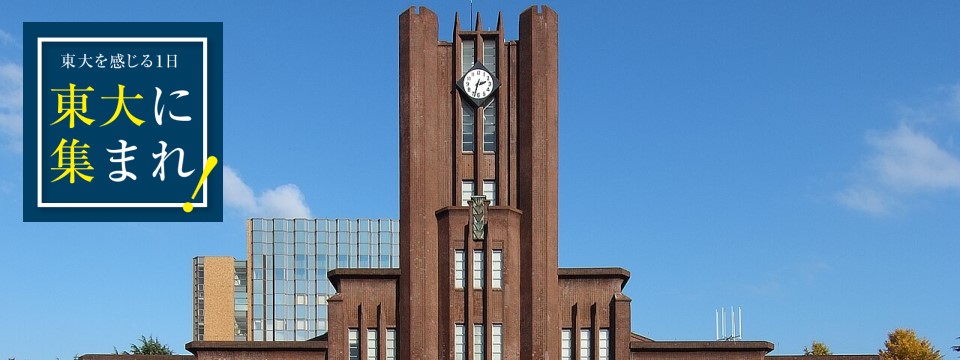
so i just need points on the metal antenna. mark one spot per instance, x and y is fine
(471, 16)
(736, 324)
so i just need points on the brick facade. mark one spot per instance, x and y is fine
(534, 304)
(258, 350)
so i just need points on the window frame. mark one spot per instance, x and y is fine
(566, 344)
(459, 269)
(467, 195)
(478, 270)
(468, 112)
(490, 120)
(585, 344)
(496, 340)
(496, 269)
(391, 344)
(467, 56)
(373, 347)
(492, 193)
(603, 346)
(459, 339)
(353, 344)
(492, 66)
(478, 342)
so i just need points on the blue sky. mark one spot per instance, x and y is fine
(798, 159)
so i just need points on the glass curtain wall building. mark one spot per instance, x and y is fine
(240, 302)
(287, 266)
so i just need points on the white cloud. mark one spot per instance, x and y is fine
(236, 193)
(282, 201)
(865, 199)
(908, 160)
(11, 106)
(6, 38)
(919, 157)
(903, 162)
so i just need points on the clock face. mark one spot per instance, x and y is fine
(478, 83)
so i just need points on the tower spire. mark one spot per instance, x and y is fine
(477, 27)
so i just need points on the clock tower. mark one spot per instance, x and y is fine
(478, 151)
(478, 275)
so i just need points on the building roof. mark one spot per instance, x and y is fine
(287, 346)
(638, 337)
(822, 357)
(595, 273)
(336, 275)
(716, 346)
(135, 357)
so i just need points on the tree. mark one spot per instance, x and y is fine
(903, 344)
(957, 347)
(817, 348)
(148, 346)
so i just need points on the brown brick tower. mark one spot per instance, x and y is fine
(479, 276)
(504, 147)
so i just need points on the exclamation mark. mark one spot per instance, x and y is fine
(211, 163)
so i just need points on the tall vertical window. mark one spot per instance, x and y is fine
(458, 342)
(566, 344)
(467, 56)
(584, 344)
(353, 342)
(478, 269)
(496, 349)
(490, 126)
(490, 55)
(458, 269)
(490, 191)
(372, 353)
(496, 269)
(466, 191)
(603, 348)
(469, 125)
(478, 342)
(391, 344)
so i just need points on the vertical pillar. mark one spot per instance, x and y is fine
(620, 327)
(338, 327)
(537, 114)
(424, 181)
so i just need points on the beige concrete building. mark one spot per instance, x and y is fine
(215, 282)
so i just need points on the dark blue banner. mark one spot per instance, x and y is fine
(123, 121)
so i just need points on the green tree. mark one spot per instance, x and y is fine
(817, 348)
(148, 346)
(903, 344)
